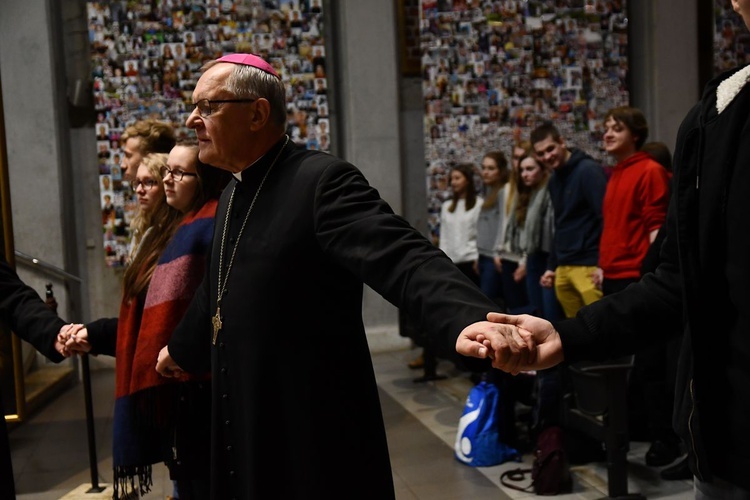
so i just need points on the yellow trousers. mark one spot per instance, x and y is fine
(574, 288)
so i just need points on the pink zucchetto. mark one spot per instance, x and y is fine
(249, 60)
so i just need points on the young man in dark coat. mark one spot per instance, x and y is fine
(701, 283)
(26, 314)
(576, 188)
(278, 318)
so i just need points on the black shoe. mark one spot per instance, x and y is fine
(680, 470)
(661, 453)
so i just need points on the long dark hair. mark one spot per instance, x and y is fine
(164, 221)
(467, 170)
(524, 192)
(490, 200)
(515, 175)
(211, 180)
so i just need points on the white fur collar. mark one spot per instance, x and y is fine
(729, 88)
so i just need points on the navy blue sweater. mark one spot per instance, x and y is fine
(577, 191)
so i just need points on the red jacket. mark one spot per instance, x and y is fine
(634, 205)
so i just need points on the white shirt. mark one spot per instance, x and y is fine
(458, 231)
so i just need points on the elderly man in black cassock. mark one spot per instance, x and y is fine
(278, 318)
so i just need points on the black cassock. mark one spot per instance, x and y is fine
(296, 413)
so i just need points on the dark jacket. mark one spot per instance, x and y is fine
(296, 409)
(701, 284)
(25, 313)
(577, 192)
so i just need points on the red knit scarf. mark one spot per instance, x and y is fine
(145, 406)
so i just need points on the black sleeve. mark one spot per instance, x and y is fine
(27, 314)
(103, 336)
(189, 345)
(357, 228)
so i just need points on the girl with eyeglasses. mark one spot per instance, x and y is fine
(193, 189)
(158, 419)
(152, 207)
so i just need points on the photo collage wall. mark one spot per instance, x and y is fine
(731, 38)
(146, 57)
(494, 70)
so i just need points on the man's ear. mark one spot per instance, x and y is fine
(261, 114)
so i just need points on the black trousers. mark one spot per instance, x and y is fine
(7, 485)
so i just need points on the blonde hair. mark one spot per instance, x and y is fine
(151, 244)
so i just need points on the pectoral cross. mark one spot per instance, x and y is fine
(216, 321)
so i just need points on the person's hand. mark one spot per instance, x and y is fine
(65, 333)
(597, 277)
(548, 345)
(498, 264)
(548, 279)
(166, 366)
(505, 344)
(78, 341)
(475, 266)
(519, 274)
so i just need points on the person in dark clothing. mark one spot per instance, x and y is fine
(298, 224)
(701, 283)
(30, 318)
(656, 368)
(635, 208)
(576, 187)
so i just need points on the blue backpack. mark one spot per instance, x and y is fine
(477, 440)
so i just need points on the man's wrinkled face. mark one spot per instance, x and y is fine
(223, 134)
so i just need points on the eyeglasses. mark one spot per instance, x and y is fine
(146, 183)
(204, 105)
(177, 174)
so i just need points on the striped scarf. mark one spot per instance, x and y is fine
(145, 404)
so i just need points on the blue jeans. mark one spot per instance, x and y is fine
(543, 300)
(514, 293)
(490, 281)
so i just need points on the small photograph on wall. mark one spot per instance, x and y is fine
(492, 71)
(146, 58)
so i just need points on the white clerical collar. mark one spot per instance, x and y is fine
(238, 175)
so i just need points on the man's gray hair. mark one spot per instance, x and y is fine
(248, 82)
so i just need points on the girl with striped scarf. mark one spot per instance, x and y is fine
(158, 419)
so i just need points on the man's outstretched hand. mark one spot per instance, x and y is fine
(509, 347)
(523, 342)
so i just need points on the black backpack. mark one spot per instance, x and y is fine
(550, 472)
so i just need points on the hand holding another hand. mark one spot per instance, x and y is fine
(539, 332)
(509, 347)
(68, 333)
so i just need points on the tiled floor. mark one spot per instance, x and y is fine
(50, 453)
